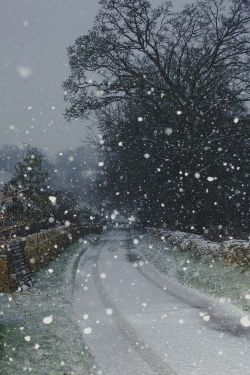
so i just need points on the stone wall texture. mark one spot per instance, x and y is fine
(231, 252)
(6, 284)
(41, 248)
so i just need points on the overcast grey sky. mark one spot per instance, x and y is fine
(34, 35)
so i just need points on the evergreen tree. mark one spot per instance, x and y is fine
(28, 190)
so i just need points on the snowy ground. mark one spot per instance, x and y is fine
(137, 320)
(61, 348)
(205, 273)
(111, 302)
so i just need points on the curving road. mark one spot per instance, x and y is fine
(135, 320)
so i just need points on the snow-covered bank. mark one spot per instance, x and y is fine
(40, 335)
(204, 272)
(234, 252)
(138, 320)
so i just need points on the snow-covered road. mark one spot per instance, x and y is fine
(135, 320)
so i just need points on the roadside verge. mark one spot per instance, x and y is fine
(228, 282)
(40, 333)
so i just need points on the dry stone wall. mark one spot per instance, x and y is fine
(43, 247)
(234, 252)
(39, 249)
(6, 283)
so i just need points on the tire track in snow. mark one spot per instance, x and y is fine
(219, 320)
(152, 358)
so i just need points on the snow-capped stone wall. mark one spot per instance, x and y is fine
(231, 252)
(41, 248)
(236, 252)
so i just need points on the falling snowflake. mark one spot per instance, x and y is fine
(52, 199)
(48, 319)
(168, 131)
(87, 331)
(24, 72)
(245, 321)
(210, 179)
(109, 311)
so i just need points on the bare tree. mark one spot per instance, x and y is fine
(174, 87)
(195, 57)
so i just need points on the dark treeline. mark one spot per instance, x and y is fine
(170, 93)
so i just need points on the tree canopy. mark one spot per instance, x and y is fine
(28, 189)
(170, 93)
(190, 59)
